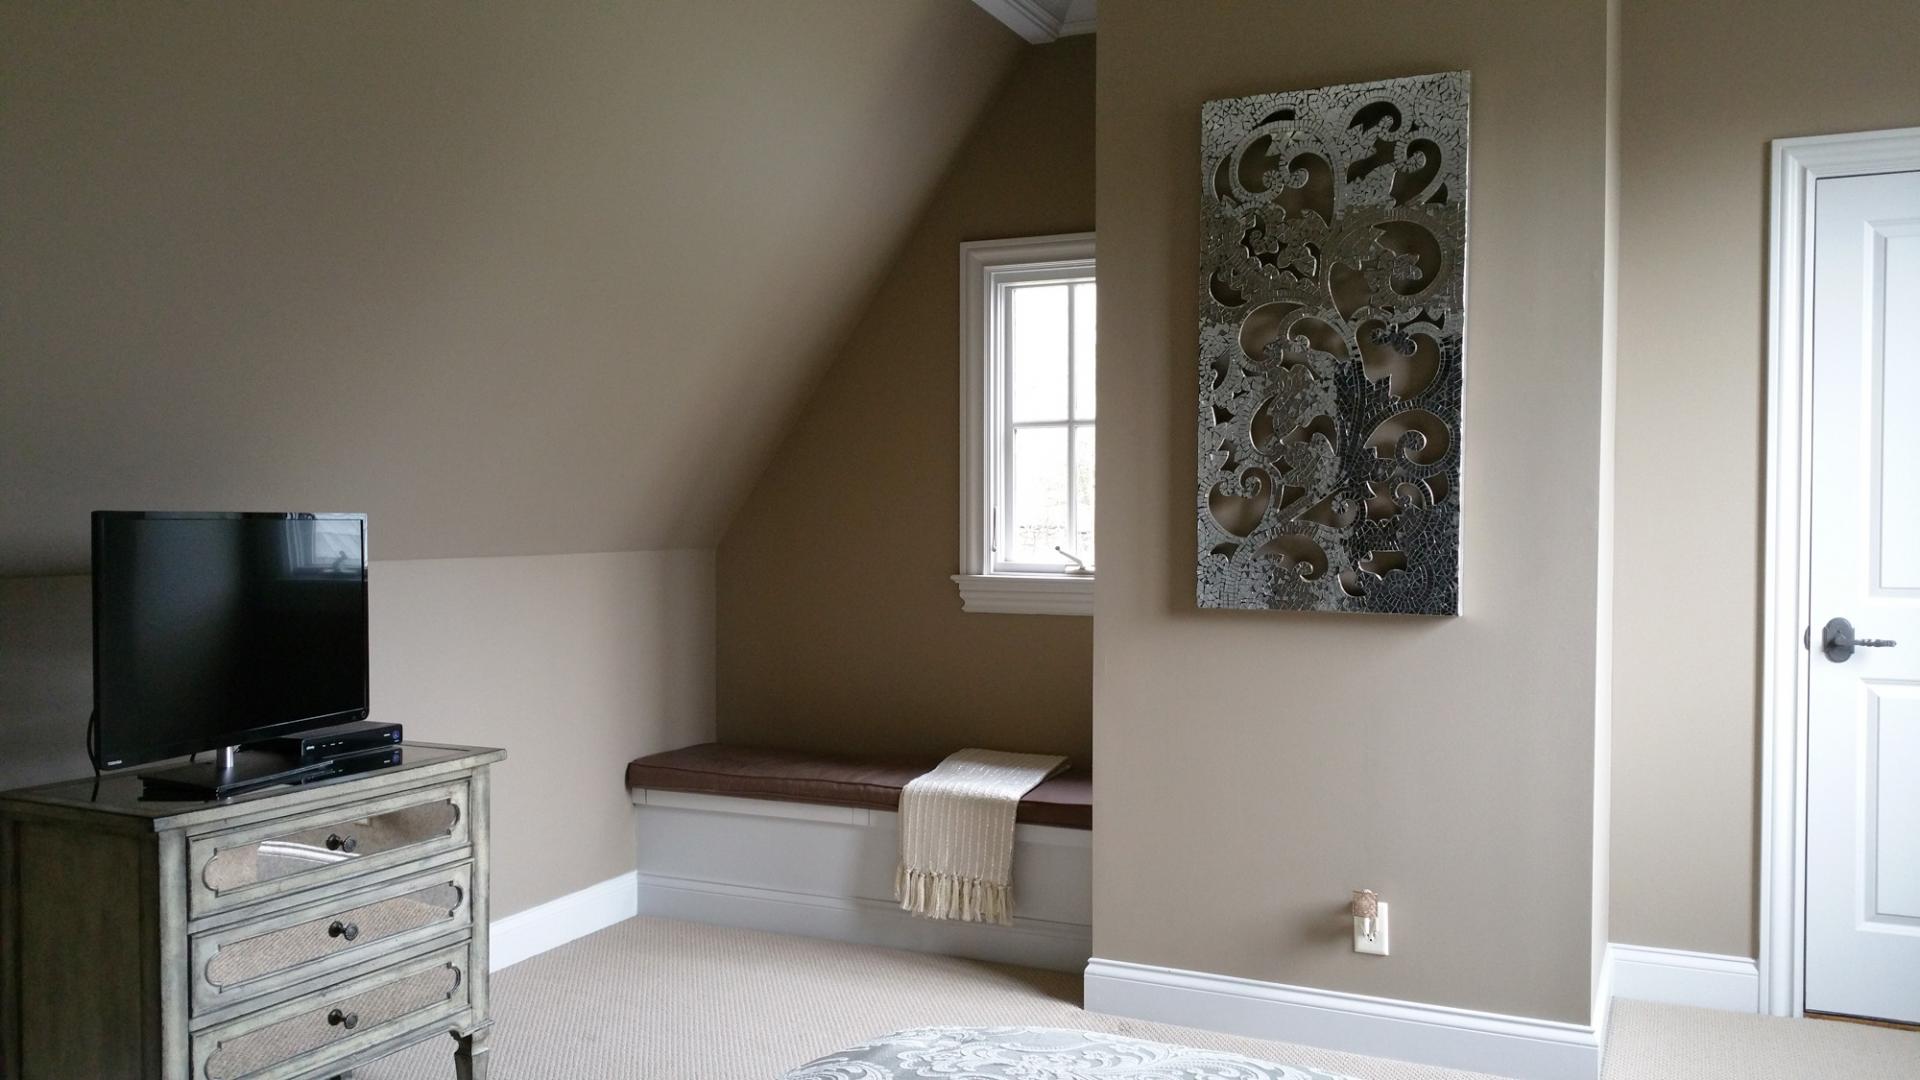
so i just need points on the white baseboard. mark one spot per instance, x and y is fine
(523, 934)
(1059, 946)
(1381, 1027)
(1678, 977)
(1354, 1023)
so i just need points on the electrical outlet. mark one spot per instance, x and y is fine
(1376, 943)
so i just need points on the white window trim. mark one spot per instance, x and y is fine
(983, 264)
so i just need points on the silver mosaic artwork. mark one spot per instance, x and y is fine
(1332, 320)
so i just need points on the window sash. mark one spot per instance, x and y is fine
(1001, 362)
(1004, 523)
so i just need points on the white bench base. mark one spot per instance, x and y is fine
(827, 871)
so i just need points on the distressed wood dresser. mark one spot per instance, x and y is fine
(289, 934)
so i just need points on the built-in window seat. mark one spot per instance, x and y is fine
(807, 843)
(836, 780)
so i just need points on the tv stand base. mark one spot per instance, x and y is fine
(232, 772)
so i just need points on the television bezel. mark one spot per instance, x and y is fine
(148, 752)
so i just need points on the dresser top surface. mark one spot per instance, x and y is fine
(120, 795)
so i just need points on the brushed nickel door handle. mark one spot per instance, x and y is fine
(1838, 642)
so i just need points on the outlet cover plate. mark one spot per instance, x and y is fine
(1377, 944)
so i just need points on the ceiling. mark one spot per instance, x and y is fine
(1041, 21)
(513, 279)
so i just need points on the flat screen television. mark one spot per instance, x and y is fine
(211, 629)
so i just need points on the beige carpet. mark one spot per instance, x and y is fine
(654, 999)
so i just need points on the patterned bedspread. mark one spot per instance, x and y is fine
(1024, 1053)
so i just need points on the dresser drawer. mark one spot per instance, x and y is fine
(302, 1036)
(241, 866)
(281, 952)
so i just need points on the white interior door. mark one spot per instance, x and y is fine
(1863, 752)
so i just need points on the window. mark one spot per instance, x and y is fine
(1027, 425)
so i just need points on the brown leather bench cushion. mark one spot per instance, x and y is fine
(836, 780)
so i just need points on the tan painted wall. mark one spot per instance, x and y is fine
(1706, 87)
(1255, 767)
(574, 663)
(839, 627)
(577, 664)
(46, 678)
(513, 278)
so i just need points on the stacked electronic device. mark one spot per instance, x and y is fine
(320, 754)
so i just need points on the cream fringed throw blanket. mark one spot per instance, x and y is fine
(956, 834)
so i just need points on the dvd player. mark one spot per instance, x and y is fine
(322, 744)
(354, 763)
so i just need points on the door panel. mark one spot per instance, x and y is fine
(1893, 857)
(1895, 326)
(1863, 738)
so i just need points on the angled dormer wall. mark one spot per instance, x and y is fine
(839, 628)
(535, 286)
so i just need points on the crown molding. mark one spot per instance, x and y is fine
(1041, 21)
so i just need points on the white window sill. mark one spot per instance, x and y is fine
(1026, 594)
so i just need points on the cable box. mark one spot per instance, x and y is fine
(322, 744)
(354, 763)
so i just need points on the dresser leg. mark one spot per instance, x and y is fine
(470, 1060)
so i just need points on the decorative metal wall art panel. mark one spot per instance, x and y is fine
(1332, 319)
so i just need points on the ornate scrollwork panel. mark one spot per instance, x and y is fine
(1332, 325)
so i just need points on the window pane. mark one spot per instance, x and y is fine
(1038, 478)
(1083, 342)
(1083, 493)
(1037, 351)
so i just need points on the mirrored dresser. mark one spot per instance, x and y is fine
(288, 934)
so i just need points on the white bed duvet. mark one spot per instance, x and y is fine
(1024, 1053)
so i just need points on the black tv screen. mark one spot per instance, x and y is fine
(212, 630)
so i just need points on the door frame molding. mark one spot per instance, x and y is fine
(1797, 165)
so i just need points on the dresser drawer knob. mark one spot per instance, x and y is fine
(336, 842)
(343, 1019)
(343, 930)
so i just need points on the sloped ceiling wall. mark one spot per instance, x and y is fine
(868, 646)
(512, 278)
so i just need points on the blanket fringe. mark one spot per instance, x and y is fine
(946, 896)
